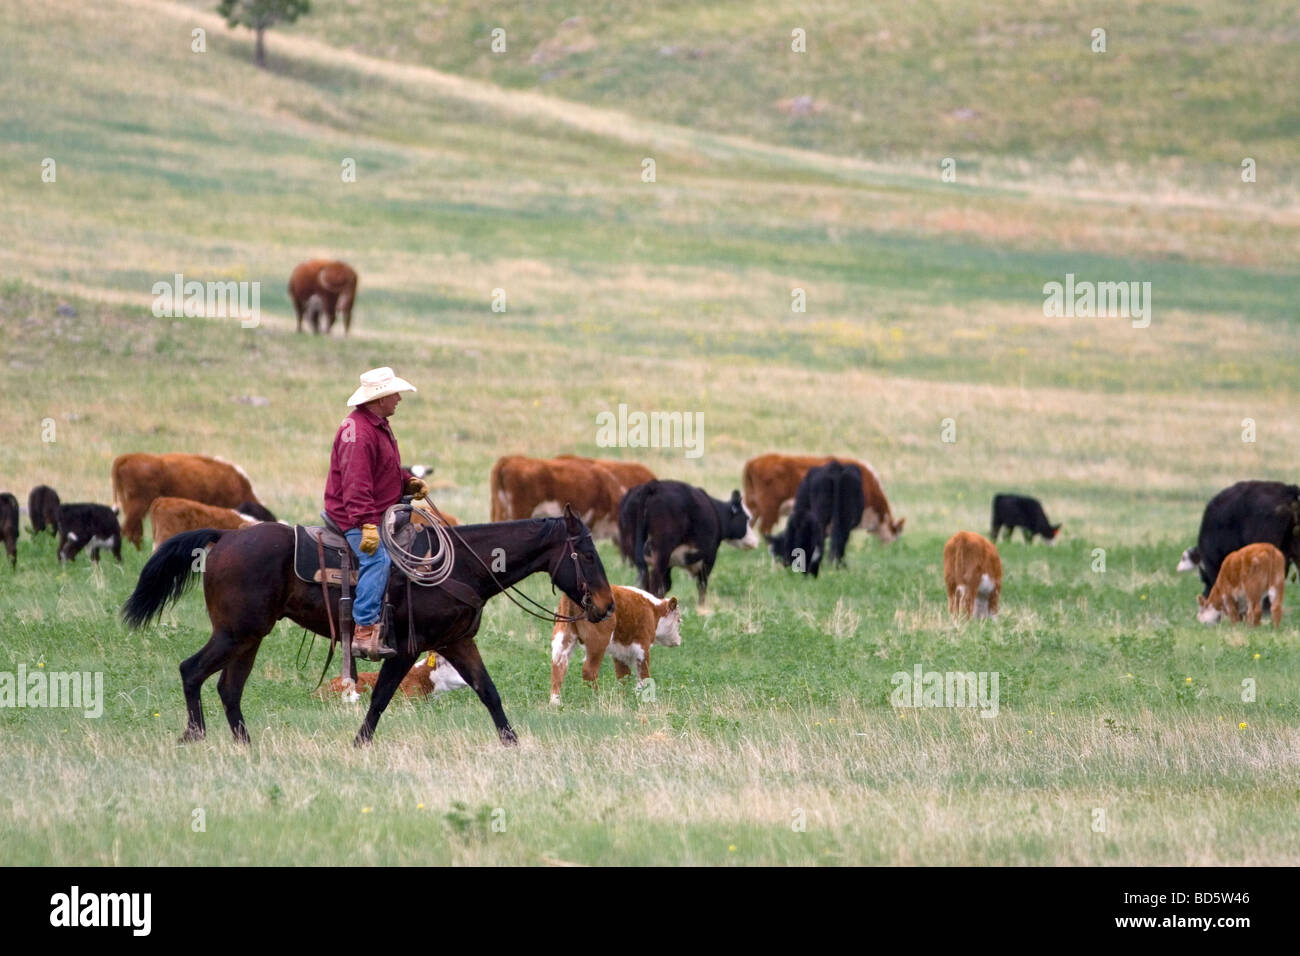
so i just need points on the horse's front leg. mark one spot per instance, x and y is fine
(389, 679)
(465, 658)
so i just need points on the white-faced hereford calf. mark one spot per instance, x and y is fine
(972, 572)
(639, 621)
(1248, 579)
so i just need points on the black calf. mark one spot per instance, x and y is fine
(1018, 511)
(88, 525)
(829, 500)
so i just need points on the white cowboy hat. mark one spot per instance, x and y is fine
(377, 383)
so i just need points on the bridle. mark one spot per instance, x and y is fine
(571, 542)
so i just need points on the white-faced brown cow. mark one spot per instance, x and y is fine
(972, 571)
(1249, 578)
(139, 478)
(771, 482)
(639, 621)
(524, 487)
(323, 286)
(172, 516)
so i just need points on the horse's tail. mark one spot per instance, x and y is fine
(165, 576)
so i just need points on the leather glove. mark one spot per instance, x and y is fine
(416, 488)
(369, 539)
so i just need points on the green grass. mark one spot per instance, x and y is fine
(924, 305)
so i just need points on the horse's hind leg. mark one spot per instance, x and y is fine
(231, 689)
(465, 658)
(212, 657)
(386, 684)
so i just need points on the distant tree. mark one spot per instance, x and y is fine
(260, 16)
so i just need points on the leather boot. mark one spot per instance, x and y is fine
(366, 643)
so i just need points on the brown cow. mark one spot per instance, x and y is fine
(771, 481)
(629, 473)
(323, 286)
(171, 516)
(1248, 577)
(972, 571)
(639, 621)
(139, 478)
(524, 487)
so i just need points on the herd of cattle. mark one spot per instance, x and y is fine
(1249, 534)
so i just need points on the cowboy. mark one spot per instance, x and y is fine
(365, 479)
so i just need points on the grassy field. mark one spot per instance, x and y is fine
(924, 305)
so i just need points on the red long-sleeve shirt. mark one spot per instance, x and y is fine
(365, 471)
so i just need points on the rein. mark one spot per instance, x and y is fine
(552, 616)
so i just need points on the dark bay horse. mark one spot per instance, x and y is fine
(249, 584)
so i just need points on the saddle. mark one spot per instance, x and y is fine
(307, 553)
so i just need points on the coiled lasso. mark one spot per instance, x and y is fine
(425, 570)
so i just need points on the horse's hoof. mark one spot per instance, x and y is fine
(358, 741)
(190, 736)
(508, 738)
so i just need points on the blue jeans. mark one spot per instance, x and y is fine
(372, 576)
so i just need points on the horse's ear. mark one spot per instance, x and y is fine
(571, 519)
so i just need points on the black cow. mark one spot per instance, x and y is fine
(803, 540)
(673, 524)
(254, 510)
(9, 526)
(1246, 513)
(43, 509)
(83, 525)
(829, 500)
(1017, 511)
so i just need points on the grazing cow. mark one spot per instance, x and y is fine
(1249, 512)
(9, 526)
(1191, 559)
(524, 487)
(772, 481)
(140, 478)
(673, 524)
(1249, 578)
(972, 571)
(173, 516)
(801, 543)
(1019, 511)
(88, 525)
(323, 286)
(629, 474)
(639, 620)
(829, 500)
(43, 509)
(433, 675)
